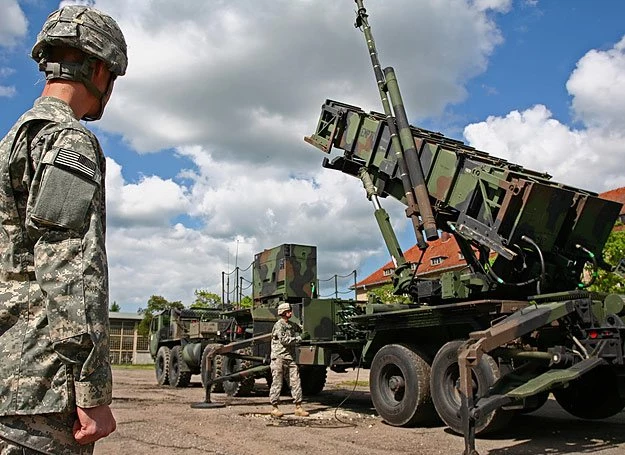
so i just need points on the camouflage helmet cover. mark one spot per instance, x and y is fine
(283, 307)
(87, 29)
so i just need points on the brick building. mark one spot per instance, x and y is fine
(617, 195)
(127, 346)
(442, 255)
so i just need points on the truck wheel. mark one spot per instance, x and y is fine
(595, 395)
(161, 366)
(399, 380)
(313, 379)
(216, 366)
(178, 377)
(229, 365)
(445, 383)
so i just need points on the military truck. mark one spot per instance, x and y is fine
(285, 273)
(179, 337)
(478, 345)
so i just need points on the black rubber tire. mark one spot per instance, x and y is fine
(244, 387)
(216, 367)
(595, 395)
(161, 366)
(217, 362)
(313, 379)
(177, 376)
(446, 396)
(399, 382)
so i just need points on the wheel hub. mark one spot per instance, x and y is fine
(396, 383)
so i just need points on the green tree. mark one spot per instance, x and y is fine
(156, 304)
(205, 299)
(385, 294)
(114, 307)
(247, 302)
(613, 252)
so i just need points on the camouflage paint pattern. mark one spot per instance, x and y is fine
(87, 29)
(53, 267)
(282, 369)
(284, 338)
(285, 273)
(46, 433)
(486, 199)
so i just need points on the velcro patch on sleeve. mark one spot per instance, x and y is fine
(75, 161)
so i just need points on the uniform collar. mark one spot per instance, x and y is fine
(57, 103)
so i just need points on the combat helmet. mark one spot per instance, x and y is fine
(284, 307)
(89, 30)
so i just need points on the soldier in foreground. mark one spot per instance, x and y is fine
(284, 337)
(55, 376)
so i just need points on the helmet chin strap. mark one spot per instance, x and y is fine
(79, 72)
(101, 96)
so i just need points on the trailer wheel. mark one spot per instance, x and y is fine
(595, 395)
(177, 377)
(313, 378)
(216, 367)
(231, 365)
(445, 382)
(161, 366)
(400, 386)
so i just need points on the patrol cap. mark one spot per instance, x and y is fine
(284, 307)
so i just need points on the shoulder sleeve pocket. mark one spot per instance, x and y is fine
(68, 184)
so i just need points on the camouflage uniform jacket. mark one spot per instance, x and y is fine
(284, 338)
(53, 267)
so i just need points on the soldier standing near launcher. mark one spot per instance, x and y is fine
(55, 375)
(283, 340)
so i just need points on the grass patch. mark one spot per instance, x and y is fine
(354, 383)
(126, 366)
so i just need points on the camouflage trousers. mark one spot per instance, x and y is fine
(9, 448)
(49, 434)
(281, 369)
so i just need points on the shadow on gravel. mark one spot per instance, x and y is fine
(552, 431)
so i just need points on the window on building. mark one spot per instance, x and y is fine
(460, 256)
(437, 260)
(125, 341)
(388, 272)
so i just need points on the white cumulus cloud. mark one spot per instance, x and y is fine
(590, 156)
(234, 87)
(13, 23)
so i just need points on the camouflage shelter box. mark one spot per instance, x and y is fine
(285, 273)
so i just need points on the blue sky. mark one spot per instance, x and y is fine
(204, 133)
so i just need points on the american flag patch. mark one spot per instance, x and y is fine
(76, 161)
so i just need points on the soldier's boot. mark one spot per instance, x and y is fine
(275, 412)
(301, 412)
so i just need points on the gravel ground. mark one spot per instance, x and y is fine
(159, 421)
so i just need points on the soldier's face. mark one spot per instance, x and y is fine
(287, 314)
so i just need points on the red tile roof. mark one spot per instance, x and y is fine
(445, 248)
(617, 195)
